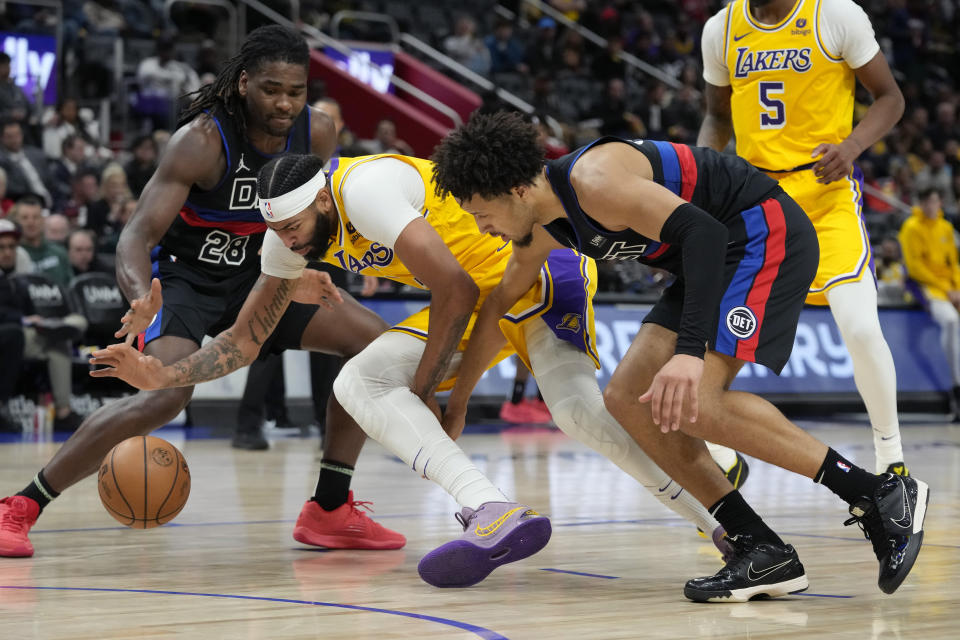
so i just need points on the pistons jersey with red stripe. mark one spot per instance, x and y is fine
(220, 230)
(721, 184)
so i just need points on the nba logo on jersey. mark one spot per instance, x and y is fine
(741, 322)
(243, 195)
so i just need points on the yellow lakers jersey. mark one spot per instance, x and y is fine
(482, 256)
(789, 93)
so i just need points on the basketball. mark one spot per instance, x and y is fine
(144, 482)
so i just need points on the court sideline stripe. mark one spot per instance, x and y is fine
(487, 634)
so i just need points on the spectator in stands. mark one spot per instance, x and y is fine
(946, 126)
(617, 119)
(933, 270)
(81, 250)
(553, 146)
(610, 64)
(41, 338)
(48, 258)
(506, 51)
(543, 55)
(163, 79)
(108, 243)
(5, 202)
(56, 228)
(13, 301)
(14, 105)
(84, 191)
(63, 123)
(103, 215)
(938, 175)
(142, 165)
(346, 142)
(26, 166)
(466, 47)
(891, 274)
(65, 169)
(386, 140)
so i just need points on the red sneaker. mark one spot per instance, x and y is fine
(17, 515)
(524, 412)
(539, 408)
(346, 527)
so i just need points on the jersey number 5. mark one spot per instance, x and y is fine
(774, 117)
(220, 248)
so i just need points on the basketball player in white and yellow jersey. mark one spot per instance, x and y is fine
(780, 77)
(380, 215)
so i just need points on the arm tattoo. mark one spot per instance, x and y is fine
(435, 375)
(217, 359)
(223, 355)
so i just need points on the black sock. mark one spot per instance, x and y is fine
(737, 517)
(518, 388)
(333, 486)
(39, 490)
(846, 479)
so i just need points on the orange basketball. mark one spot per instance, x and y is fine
(144, 482)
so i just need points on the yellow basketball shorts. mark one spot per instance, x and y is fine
(563, 298)
(836, 210)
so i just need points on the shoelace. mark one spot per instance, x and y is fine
(361, 503)
(465, 522)
(740, 546)
(12, 521)
(866, 517)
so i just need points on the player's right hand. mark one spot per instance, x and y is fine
(141, 313)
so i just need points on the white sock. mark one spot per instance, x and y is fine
(854, 307)
(374, 388)
(723, 456)
(568, 381)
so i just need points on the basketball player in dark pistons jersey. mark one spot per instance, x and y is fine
(188, 259)
(744, 254)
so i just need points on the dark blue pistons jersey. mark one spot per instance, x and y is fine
(723, 185)
(221, 230)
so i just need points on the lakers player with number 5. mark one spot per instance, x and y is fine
(188, 259)
(780, 77)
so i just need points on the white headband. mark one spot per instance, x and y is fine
(289, 204)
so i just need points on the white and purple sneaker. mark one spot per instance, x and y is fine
(494, 534)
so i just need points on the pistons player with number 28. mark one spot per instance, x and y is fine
(198, 231)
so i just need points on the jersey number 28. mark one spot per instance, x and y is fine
(774, 117)
(220, 248)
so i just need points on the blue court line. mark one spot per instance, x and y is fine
(820, 595)
(487, 634)
(581, 573)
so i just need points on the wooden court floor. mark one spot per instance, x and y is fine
(227, 567)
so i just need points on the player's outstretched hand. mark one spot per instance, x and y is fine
(124, 362)
(835, 160)
(141, 313)
(673, 392)
(316, 287)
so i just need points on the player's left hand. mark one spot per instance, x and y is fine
(316, 287)
(835, 161)
(124, 362)
(673, 392)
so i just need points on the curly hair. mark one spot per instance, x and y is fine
(488, 156)
(285, 173)
(263, 45)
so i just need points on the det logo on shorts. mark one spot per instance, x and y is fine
(741, 322)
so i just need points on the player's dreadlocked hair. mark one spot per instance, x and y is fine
(285, 173)
(488, 156)
(263, 45)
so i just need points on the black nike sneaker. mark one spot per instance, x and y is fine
(763, 570)
(893, 521)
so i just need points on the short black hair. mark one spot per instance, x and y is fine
(4, 58)
(926, 192)
(68, 141)
(30, 199)
(488, 156)
(286, 173)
